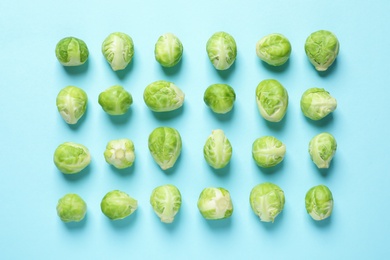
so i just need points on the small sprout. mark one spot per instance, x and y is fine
(115, 100)
(217, 150)
(165, 146)
(215, 203)
(118, 205)
(319, 202)
(220, 98)
(71, 51)
(168, 50)
(317, 103)
(322, 149)
(272, 100)
(120, 153)
(267, 201)
(267, 151)
(163, 96)
(322, 48)
(71, 158)
(166, 202)
(222, 50)
(118, 50)
(274, 49)
(71, 208)
(71, 104)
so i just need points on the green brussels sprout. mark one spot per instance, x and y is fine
(118, 50)
(274, 49)
(267, 151)
(71, 51)
(272, 100)
(115, 100)
(165, 146)
(71, 158)
(71, 208)
(319, 202)
(215, 203)
(222, 50)
(168, 50)
(317, 103)
(120, 153)
(71, 104)
(217, 150)
(166, 202)
(267, 201)
(322, 48)
(163, 96)
(117, 204)
(322, 149)
(220, 98)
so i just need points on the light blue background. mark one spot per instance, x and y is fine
(31, 129)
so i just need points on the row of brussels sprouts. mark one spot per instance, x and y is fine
(266, 200)
(321, 47)
(164, 96)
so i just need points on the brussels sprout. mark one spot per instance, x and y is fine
(71, 51)
(215, 203)
(322, 48)
(272, 100)
(274, 49)
(319, 202)
(71, 208)
(117, 204)
(220, 98)
(166, 202)
(168, 50)
(120, 153)
(222, 50)
(267, 201)
(217, 150)
(71, 104)
(165, 146)
(268, 151)
(322, 149)
(71, 158)
(118, 49)
(163, 96)
(317, 103)
(115, 100)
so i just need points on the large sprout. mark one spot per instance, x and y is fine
(267, 201)
(163, 96)
(222, 50)
(220, 98)
(71, 158)
(322, 148)
(120, 153)
(71, 208)
(272, 100)
(71, 51)
(118, 50)
(115, 100)
(165, 146)
(319, 202)
(166, 202)
(215, 203)
(317, 103)
(117, 204)
(71, 104)
(267, 151)
(274, 49)
(322, 48)
(168, 50)
(217, 150)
